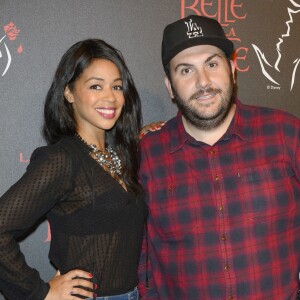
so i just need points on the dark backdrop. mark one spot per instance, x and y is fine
(265, 33)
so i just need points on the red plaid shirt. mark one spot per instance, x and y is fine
(224, 220)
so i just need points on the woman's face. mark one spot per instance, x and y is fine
(97, 98)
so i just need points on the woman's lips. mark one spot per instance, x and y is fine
(108, 113)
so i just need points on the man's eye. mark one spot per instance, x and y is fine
(212, 65)
(185, 71)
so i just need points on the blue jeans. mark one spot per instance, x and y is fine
(134, 295)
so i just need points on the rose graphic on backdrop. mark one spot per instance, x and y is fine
(11, 32)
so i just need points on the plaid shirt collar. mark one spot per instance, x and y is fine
(238, 127)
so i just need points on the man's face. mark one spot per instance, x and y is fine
(201, 84)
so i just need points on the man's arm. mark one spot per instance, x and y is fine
(146, 285)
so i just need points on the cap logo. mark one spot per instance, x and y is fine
(193, 30)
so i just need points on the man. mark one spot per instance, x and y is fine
(222, 182)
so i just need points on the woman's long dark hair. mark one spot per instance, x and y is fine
(59, 117)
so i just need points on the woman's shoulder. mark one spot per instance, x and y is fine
(63, 149)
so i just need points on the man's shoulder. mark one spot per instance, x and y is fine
(162, 133)
(255, 112)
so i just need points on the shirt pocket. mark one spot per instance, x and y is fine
(173, 206)
(269, 190)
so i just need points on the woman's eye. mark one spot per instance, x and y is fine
(118, 88)
(95, 87)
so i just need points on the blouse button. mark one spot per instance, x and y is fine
(223, 238)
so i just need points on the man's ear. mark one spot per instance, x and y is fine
(233, 70)
(169, 87)
(68, 95)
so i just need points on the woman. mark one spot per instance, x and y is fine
(85, 181)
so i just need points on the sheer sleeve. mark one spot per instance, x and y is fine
(43, 184)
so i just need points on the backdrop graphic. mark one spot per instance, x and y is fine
(34, 34)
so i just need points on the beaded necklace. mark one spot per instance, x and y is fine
(108, 159)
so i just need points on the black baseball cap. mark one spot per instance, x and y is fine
(192, 31)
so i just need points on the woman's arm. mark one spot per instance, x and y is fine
(45, 181)
(67, 286)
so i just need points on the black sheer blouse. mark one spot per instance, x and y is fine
(95, 224)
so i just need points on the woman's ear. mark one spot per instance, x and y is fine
(68, 95)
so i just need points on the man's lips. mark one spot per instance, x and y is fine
(204, 95)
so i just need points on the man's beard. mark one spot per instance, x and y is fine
(201, 120)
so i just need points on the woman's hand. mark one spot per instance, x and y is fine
(151, 127)
(65, 287)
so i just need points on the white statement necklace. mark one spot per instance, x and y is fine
(107, 158)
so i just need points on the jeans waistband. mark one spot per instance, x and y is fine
(133, 295)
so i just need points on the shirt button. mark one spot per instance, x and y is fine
(221, 208)
(230, 298)
(226, 268)
(170, 188)
(223, 238)
(217, 178)
(212, 151)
